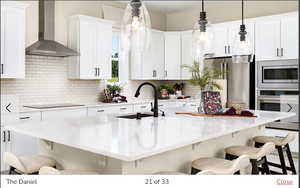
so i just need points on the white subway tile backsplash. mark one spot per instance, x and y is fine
(47, 82)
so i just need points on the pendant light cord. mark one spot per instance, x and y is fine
(202, 5)
(242, 12)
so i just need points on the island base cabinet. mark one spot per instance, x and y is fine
(178, 159)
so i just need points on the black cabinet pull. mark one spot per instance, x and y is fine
(143, 106)
(8, 137)
(277, 52)
(228, 49)
(24, 118)
(2, 66)
(4, 136)
(96, 71)
(225, 49)
(123, 108)
(281, 52)
(100, 110)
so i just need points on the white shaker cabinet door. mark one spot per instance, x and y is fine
(220, 42)
(289, 37)
(172, 55)
(267, 40)
(4, 148)
(186, 54)
(12, 42)
(88, 49)
(153, 59)
(105, 49)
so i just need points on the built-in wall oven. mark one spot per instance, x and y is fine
(277, 81)
(277, 74)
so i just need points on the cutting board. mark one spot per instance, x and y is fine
(208, 115)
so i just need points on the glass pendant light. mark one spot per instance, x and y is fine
(202, 37)
(242, 49)
(136, 27)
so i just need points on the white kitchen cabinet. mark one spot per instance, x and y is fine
(186, 54)
(289, 37)
(172, 55)
(225, 35)
(64, 113)
(267, 40)
(276, 37)
(12, 40)
(6, 146)
(149, 65)
(220, 40)
(115, 109)
(92, 38)
(24, 145)
(142, 107)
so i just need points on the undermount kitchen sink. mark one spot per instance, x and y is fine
(135, 116)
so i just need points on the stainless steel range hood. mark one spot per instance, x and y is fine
(46, 46)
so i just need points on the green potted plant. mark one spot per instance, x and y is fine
(205, 79)
(165, 90)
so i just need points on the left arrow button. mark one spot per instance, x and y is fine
(7, 107)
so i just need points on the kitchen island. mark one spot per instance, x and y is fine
(114, 145)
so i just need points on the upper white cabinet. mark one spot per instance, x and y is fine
(186, 54)
(92, 38)
(289, 37)
(225, 34)
(150, 64)
(172, 55)
(220, 40)
(12, 40)
(277, 37)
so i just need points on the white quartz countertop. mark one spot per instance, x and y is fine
(130, 139)
(101, 104)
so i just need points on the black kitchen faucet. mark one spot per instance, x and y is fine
(137, 93)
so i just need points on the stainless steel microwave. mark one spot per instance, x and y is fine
(277, 74)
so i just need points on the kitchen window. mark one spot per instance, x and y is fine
(115, 60)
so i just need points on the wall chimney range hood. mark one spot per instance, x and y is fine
(46, 46)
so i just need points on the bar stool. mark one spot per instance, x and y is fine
(46, 170)
(26, 164)
(281, 144)
(220, 166)
(257, 156)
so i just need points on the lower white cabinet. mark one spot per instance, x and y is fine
(294, 146)
(65, 113)
(94, 111)
(5, 146)
(142, 107)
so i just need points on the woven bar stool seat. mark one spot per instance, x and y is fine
(281, 145)
(52, 171)
(27, 164)
(220, 166)
(257, 155)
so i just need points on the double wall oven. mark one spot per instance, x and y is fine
(277, 80)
